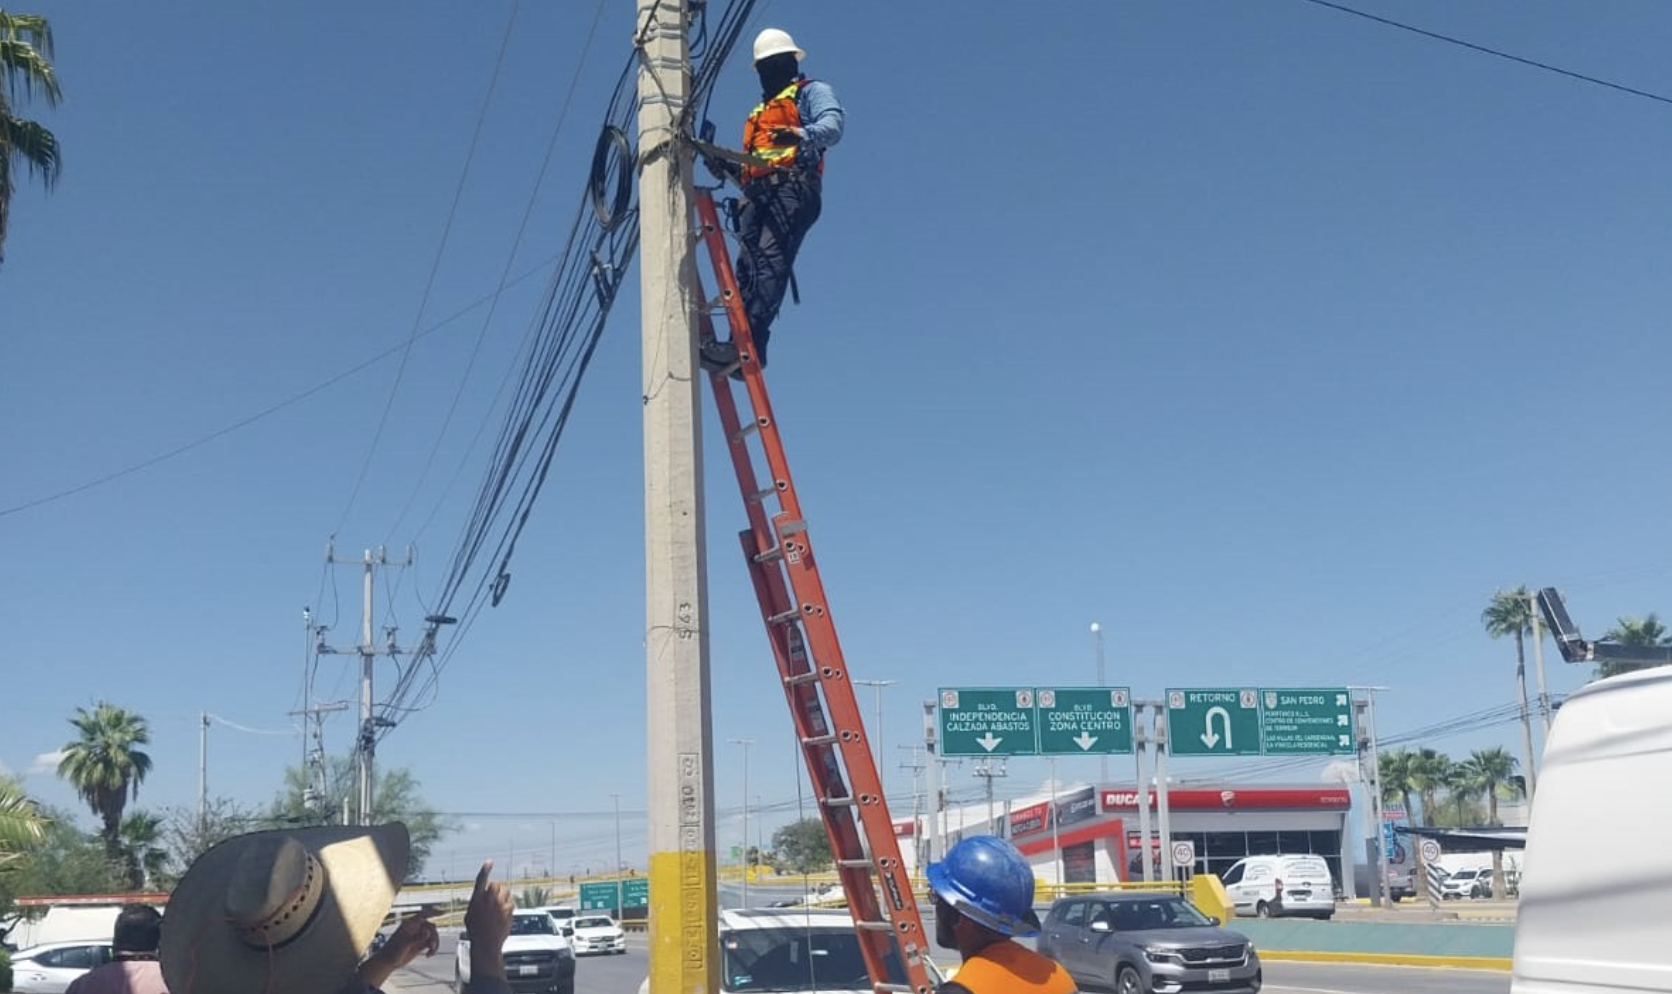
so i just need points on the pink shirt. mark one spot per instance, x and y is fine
(122, 977)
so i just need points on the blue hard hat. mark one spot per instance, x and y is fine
(988, 881)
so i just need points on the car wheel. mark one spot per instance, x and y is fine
(1127, 981)
(1262, 910)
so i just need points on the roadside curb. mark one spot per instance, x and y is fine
(1499, 963)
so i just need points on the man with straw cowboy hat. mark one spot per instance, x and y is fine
(292, 911)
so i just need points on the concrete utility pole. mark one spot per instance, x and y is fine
(1103, 761)
(919, 833)
(1379, 894)
(986, 771)
(1538, 663)
(1140, 737)
(877, 735)
(1163, 806)
(684, 929)
(931, 757)
(365, 748)
(745, 743)
(202, 774)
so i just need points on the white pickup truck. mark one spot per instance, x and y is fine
(539, 959)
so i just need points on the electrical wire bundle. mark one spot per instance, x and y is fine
(560, 345)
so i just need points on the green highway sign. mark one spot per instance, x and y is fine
(988, 721)
(1221, 721)
(635, 892)
(1084, 721)
(600, 896)
(1307, 722)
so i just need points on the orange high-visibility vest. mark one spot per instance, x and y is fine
(781, 111)
(1010, 968)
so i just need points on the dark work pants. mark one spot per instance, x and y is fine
(775, 220)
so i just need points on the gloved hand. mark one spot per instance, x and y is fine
(786, 136)
(718, 168)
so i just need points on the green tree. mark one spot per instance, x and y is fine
(105, 764)
(64, 861)
(143, 852)
(1643, 633)
(395, 797)
(21, 826)
(1463, 786)
(1510, 613)
(1495, 771)
(1394, 768)
(186, 838)
(534, 896)
(1429, 770)
(26, 63)
(802, 847)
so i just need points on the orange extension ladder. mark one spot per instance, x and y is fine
(779, 553)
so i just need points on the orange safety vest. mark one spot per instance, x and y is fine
(1010, 968)
(782, 111)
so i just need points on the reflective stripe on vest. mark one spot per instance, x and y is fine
(782, 111)
(1009, 968)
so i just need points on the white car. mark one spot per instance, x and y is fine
(563, 913)
(49, 967)
(538, 957)
(1467, 883)
(1267, 886)
(779, 950)
(599, 934)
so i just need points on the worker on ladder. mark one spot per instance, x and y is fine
(797, 120)
(983, 902)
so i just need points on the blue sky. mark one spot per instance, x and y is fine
(1271, 338)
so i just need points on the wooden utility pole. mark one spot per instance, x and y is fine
(684, 925)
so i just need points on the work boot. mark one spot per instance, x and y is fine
(717, 356)
(760, 356)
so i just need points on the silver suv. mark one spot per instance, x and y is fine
(1147, 943)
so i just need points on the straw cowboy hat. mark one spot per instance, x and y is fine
(283, 912)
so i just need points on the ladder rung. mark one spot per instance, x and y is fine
(792, 527)
(771, 555)
(875, 926)
(839, 802)
(819, 740)
(745, 431)
(854, 863)
(893, 988)
(763, 494)
(784, 617)
(797, 679)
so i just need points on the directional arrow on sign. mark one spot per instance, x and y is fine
(1085, 740)
(989, 741)
(1208, 737)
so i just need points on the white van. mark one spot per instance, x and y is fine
(1592, 915)
(1268, 886)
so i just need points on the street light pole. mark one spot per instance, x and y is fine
(1103, 761)
(617, 799)
(745, 743)
(879, 685)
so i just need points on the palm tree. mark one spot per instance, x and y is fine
(105, 764)
(1632, 631)
(26, 64)
(1394, 767)
(1462, 784)
(1429, 772)
(21, 824)
(1511, 613)
(142, 849)
(1495, 771)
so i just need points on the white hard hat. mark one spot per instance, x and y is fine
(776, 41)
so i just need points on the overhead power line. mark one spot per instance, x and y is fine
(1485, 50)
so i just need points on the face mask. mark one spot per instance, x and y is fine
(776, 72)
(945, 919)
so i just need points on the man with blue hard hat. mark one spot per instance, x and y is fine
(983, 893)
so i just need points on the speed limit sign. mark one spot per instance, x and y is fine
(1430, 850)
(1184, 853)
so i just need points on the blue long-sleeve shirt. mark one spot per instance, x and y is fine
(822, 116)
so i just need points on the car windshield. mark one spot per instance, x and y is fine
(532, 925)
(791, 959)
(593, 923)
(1161, 912)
